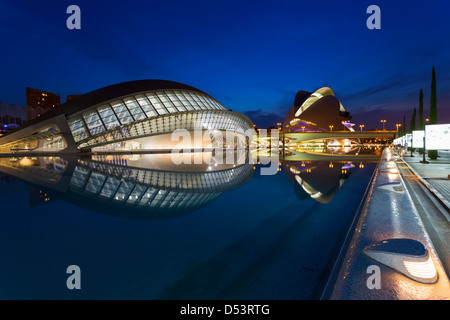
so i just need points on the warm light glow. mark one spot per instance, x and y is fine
(25, 162)
(422, 270)
(391, 164)
(392, 176)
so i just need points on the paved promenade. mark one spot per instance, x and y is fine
(389, 217)
(434, 174)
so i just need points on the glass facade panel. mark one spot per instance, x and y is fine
(183, 100)
(79, 177)
(157, 104)
(95, 182)
(200, 104)
(147, 196)
(134, 108)
(110, 188)
(93, 122)
(179, 105)
(123, 191)
(191, 100)
(121, 112)
(79, 131)
(166, 101)
(136, 194)
(146, 105)
(108, 117)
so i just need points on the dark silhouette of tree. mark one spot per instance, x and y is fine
(412, 125)
(432, 154)
(421, 125)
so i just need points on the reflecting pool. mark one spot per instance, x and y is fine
(139, 227)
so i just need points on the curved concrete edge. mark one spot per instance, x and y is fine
(387, 214)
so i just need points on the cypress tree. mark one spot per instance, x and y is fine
(433, 99)
(432, 154)
(421, 126)
(412, 125)
(404, 125)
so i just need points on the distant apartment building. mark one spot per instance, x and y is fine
(39, 102)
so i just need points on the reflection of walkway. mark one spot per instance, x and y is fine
(435, 174)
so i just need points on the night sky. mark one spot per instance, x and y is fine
(252, 56)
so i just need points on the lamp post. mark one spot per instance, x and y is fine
(383, 122)
(331, 128)
(424, 161)
(279, 126)
(361, 126)
(398, 125)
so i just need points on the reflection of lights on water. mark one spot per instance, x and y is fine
(294, 170)
(25, 162)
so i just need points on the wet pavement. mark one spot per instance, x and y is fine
(434, 174)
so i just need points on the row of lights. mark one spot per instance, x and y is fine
(361, 125)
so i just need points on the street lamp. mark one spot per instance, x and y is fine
(331, 128)
(383, 122)
(398, 125)
(361, 126)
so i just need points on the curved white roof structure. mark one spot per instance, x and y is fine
(317, 111)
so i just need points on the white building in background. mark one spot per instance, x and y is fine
(15, 115)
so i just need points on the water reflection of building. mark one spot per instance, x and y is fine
(128, 191)
(317, 180)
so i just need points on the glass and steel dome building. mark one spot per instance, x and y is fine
(138, 114)
(317, 111)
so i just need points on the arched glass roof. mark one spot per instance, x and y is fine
(137, 107)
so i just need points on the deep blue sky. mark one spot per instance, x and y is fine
(253, 56)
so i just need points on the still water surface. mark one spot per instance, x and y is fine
(139, 228)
